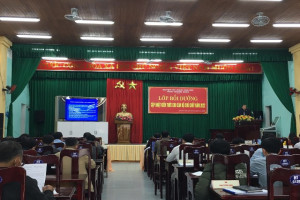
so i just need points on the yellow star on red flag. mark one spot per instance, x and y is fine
(132, 85)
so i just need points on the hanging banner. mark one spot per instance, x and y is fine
(158, 67)
(177, 100)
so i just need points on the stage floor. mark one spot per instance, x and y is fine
(125, 152)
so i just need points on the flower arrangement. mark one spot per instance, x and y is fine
(243, 118)
(124, 118)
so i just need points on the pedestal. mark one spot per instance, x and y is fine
(123, 131)
(248, 130)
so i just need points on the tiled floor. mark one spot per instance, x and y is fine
(128, 182)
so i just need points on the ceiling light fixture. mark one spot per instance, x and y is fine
(261, 0)
(163, 23)
(35, 36)
(231, 61)
(214, 40)
(266, 41)
(286, 25)
(102, 59)
(148, 60)
(156, 39)
(19, 19)
(54, 58)
(97, 38)
(230, 25)
(94, 22)
(191, 61)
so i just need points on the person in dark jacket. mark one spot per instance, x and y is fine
(244, 111)
(11, 156)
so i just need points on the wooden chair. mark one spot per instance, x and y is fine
(44, 150)
(13, 174)
(64, 192)
(30, 152)
(291, 182)
(198, 154)
(250, 148)
(160, 171)
(284, 151)
(75, 155)
(87, 146)
(285, 161)
(232, 161)
(150, 157)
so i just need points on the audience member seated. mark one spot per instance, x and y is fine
(58, 137)
(85, 136)
(28, 143)
(11, 156)
(292, 137)
(217, 146)
(48, 141)
(270, 145)
(95, 149)
(155, 136)
(72, 144)
(259, 153)
(165, 136)
(174, 155)
(237, 141)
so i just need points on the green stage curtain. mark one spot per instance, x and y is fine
(22, 70)
(226, 94)
(277, 74)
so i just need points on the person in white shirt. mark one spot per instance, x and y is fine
(297, 145)
(174, 155)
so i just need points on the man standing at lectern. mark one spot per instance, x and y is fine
(244, 111)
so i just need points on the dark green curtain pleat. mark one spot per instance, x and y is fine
(277, 74)
(22, 71)
(166, 54)
(226, 93)
(43, 92)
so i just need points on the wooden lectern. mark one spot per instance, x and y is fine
(123, 131)
(248, 130)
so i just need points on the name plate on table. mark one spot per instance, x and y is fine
(187, 163)
(220, 184)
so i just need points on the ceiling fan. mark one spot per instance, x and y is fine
(73, 16)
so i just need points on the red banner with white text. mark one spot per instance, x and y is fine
(177, 100)
(158, 67)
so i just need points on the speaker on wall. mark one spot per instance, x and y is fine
(39, 116)
(1, 124)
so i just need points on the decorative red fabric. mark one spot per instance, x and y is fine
(134, 100)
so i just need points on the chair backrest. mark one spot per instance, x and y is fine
(30, 152)
(200, 142)
(167, 145)
(59, 145)
(282, 160)
(231, 161)
(13, 174)
(49, 159)
(217, 158)
(75, 155)
(250, 148)
(297, 158)
(284, 151)
(290, 179)
(44, 150)
(236, 149)
(197, 154)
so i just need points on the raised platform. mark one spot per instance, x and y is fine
(125, 152)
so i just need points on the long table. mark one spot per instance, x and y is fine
(125, 152)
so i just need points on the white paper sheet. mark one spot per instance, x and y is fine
(199, 173)
(37, 172)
